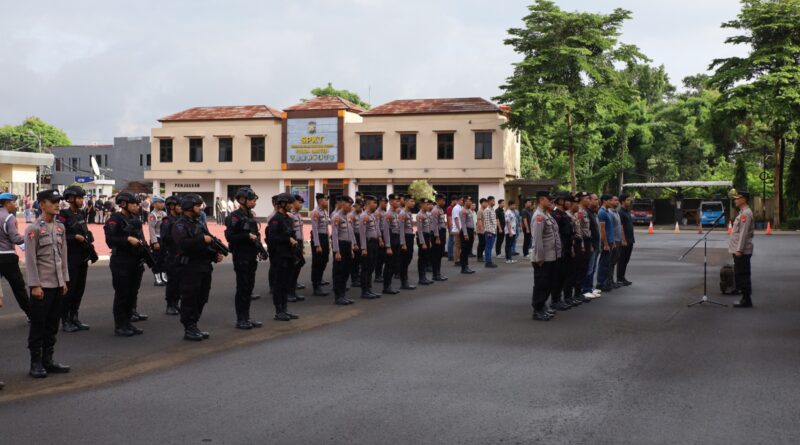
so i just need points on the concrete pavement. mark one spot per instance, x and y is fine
(455, 363)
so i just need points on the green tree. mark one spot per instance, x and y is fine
(766, 83)
(421, 189)
(344, 94)
(26, 136)
(740, 175)
(560, 86)
(793, 183)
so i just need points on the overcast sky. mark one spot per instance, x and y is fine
(100, 69)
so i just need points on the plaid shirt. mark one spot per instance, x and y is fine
(489, 221)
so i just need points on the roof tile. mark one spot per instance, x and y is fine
(435, 106)
(225, 112)
(327, 103)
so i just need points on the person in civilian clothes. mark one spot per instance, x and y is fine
(320, 244)
(395, 243)
(439, 218)
(407, 221)
(455, 229)
(619, 243)
(740, 246)
(488, 219)
(425, 239)
(343, 246)
(47, 276)
(511, 231)
(607, 238)
(500, 214)
(591, 204)
(482, 204)
(467, 234)
(9, 261)
(628, 233)
(526, 214)
(380, 219)
(370, 237)
(546, 250)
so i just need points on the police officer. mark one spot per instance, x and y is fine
(380, 260)
(354, 216)
(47, 276)
(561, 269)
(439, 224)
(343, 246)
(194, 257)
(545, 253)
(80, 250)
(583, 248)
(320, 244)
(9, 261)
(467, 235)
(370, 238)
(154, 221)
(407, 222)
(740, 245)
(425, 240)
(297, 226)
(172, 290)
(282, 255)
(395, 243)
(242, 235)
(125, 239)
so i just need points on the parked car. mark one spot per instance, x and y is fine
(710, 211)
(643, 211)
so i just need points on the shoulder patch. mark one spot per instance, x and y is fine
(744, 218)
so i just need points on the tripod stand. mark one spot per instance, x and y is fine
(704, 239)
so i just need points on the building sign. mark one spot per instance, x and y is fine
(302, 190)
(186, 185)
(84, 179)
(312, 140)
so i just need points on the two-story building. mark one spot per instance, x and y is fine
(333, 146)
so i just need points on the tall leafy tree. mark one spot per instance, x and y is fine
(26, 136)
(765, 83)
(793, 183)
(740, 175)
(564, 82)
(344, 94)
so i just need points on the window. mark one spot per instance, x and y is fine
(165, 150)
(58, 164)
(371, 147)
(444, 145)
(74, 163)
(105, 160)
(376, 190)
(225, 150)
(258, 149)
(408, 147)
(483, 145)
(148, 159)
(195, 150)
(141, 160)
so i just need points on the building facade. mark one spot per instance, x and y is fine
(332, 146)
(20, 170)
(122, 163)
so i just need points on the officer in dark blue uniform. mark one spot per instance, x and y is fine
(80, 251)
(195, 258)
(172, 291)
(126, 263)
(282, 242)
(242, 235)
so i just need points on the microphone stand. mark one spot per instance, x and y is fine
(704, 239)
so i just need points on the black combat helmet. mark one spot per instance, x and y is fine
(74, 191)
(127, 197)
(246, 193)
(190, 200)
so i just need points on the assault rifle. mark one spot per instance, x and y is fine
(133, 227)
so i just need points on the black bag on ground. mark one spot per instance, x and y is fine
(727, 283)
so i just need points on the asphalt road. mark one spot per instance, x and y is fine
(460, 362)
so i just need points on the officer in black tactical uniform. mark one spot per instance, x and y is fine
(173, 293)
(126, 263)
(80, 251)
(280, 236)
(242, 235)
(194, 258)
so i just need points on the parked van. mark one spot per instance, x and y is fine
(643, 211)
(710, 211)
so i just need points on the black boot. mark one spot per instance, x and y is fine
(745, 301)
(77, 322)
(467, 270)
(191, 333)
(53, 367)
(67, 325)
(37, 369)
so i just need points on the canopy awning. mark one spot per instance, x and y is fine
(679, 184)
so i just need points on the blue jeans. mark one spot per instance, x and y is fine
(514, 244)
(604, 267)
(588, 282)
(488, 239)
(450, 246)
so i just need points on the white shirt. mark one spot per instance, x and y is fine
(456, 217)
(511, 223)
(230, 206)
